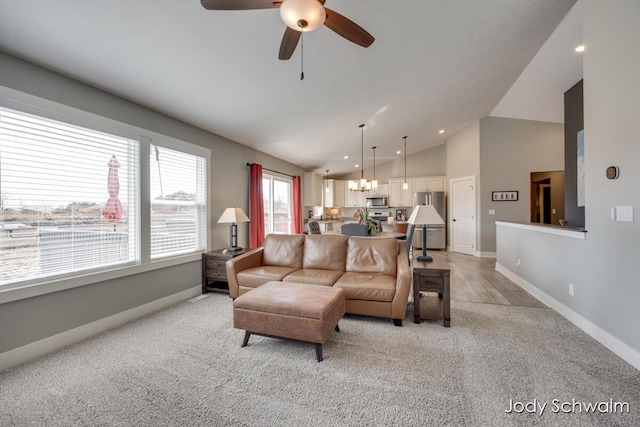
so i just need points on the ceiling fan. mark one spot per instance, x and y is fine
(300, 16)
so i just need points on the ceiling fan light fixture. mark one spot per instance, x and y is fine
(302, 15)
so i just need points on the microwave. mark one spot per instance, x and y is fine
(378, 201)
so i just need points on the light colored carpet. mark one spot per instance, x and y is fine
(184, 366)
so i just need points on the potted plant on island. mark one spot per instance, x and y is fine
(362, 214)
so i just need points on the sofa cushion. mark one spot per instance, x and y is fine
(372, 255)
(312, 276)
(284, 250)
(325, 252)
(256, 276)
(367, 286)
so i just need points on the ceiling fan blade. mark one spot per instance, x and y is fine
(347, 28)
(289, 43)
(239, 4)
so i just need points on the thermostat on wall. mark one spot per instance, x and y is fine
(613, 172)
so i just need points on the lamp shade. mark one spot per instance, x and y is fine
(302, 15)
(233, 215)
(425, 215)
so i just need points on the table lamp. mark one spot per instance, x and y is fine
(233, 216)
(425, 215)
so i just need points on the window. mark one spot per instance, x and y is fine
(68, 198)
(178, 202)
(276, 193)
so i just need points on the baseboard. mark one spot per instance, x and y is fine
(39, 348)
(624, 351)
(486, 254)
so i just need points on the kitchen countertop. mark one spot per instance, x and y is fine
(325, 221)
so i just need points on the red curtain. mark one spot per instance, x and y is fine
(256, 206)
(297, 206)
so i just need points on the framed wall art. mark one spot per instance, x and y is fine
(504, 196)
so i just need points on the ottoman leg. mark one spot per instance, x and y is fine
(319, 352)
(247, 334)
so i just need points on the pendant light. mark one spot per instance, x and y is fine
(374, 181)
(363, 185)
(326, 190)
(405, 185)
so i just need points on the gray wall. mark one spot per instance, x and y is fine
(510, 150)
(573, 122)
(463, 152)
(29, 320)
(463, 160)
(602, 267)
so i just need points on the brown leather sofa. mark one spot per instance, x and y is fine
(374, 272)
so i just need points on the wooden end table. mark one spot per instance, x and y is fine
(432, 277)
(214, 270)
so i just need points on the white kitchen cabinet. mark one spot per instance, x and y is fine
(395, 192)
(350, 198)
(339, 188)
(329, 191)
(428, 183)
(435, 183)
(361, 198)
(383, 189)
(312, 195)
(407, 195)
(399, 196)
(420, 184)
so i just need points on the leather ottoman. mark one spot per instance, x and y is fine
(307, 313)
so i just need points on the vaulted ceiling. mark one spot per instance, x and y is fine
(434, 65)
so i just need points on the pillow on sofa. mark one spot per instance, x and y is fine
(325, 252)
(372, 255)
(283, 250)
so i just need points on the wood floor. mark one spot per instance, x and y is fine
(475, 279)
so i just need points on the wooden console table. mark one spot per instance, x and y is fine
(214, 270)
(432, 277)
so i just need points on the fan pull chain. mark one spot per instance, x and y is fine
(302, 56)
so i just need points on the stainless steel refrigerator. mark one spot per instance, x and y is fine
(436, 234)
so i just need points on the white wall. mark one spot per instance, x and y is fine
(603, 268)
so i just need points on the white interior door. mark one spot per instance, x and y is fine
(463, 215)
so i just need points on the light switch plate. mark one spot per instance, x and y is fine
(624, 213)
(492, 211)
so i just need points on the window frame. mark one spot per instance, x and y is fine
(289, 182)
(30, 104)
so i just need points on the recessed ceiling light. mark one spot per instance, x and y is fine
(357, 165)
(580, 48)
(399, 152)
(346, 157)
(441, 131)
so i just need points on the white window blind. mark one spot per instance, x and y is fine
(54, 186)
(178, 202)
